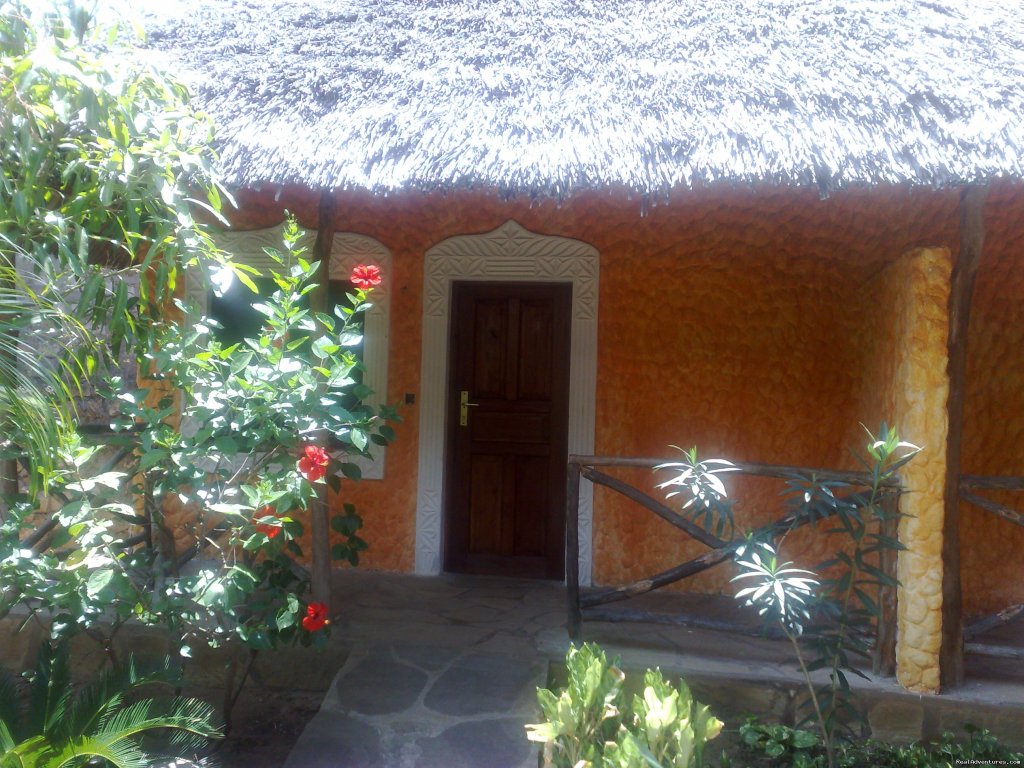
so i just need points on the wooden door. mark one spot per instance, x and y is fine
(507, 448)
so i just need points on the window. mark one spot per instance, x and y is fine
(347, 250)
(233, 309)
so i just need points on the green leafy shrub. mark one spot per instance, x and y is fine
(113, 721)
(590, 725)
(779, 746)
(236, 461)
(779, 742)
(189, 517)
(834, 615)
(827, 619)
(103, 165)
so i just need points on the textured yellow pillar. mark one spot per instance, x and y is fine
(918, 328)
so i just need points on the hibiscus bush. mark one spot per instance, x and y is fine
(195, 524)
(189, 515)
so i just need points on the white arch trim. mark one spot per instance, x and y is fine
(509, 253)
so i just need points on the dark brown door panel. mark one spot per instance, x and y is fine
(507, 447)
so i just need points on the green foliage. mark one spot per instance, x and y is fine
(846, 608)
(115, 720)
(707, 502)
(234, 460)
(834, 614)
(106, 170)
(102, 166)
(790, 746)
(589, 724)
(779, 746)
(781, 594)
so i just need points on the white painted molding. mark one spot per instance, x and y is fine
(348, 249)
(509, 253)
(246, 247)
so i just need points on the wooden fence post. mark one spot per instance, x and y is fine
(961, 291)
(884, 658)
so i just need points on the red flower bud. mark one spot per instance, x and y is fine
(315, 618)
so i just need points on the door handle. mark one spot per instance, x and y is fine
(464, 406)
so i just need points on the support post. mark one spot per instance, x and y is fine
(884, 660)
(572, 552)
(319, 512)
(965, 269)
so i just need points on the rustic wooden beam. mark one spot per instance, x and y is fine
(572, 552)
(680, 619)
(682, 571)
(718, 555)
(993, 483)
(1004, 616)
(1003, 511)
(961, 291)
(997, 651)
(654, 506)
(781, 471)
(585, 606)
(319, 512)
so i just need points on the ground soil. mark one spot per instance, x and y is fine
(266, 725)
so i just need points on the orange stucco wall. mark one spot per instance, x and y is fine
(992, 570)
(728, 320)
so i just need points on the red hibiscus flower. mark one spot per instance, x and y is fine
(269, 529)
(313, 464)
(365, 276)
(315, 618)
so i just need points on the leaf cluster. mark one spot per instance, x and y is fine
(832, 613)
(698, 482)
(846, 608)
(770, 745)
(118, 719)
(592, 724)
(103, 165)
(210, 454)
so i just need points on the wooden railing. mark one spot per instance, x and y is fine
(968, 485)
(588, 606)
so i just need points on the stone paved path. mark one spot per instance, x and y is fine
(449, 685)
(442, 673)
(409, 705)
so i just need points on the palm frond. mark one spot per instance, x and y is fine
(38, 385)
(103, 694)
(98, 702)
(7, 742)
(190, 716)
(40, 753)
(51, 689)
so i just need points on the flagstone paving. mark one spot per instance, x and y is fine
(442, 673)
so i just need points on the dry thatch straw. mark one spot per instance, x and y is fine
(548, 97)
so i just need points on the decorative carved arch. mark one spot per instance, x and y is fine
(509, 253)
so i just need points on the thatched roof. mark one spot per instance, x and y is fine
(552, 96)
